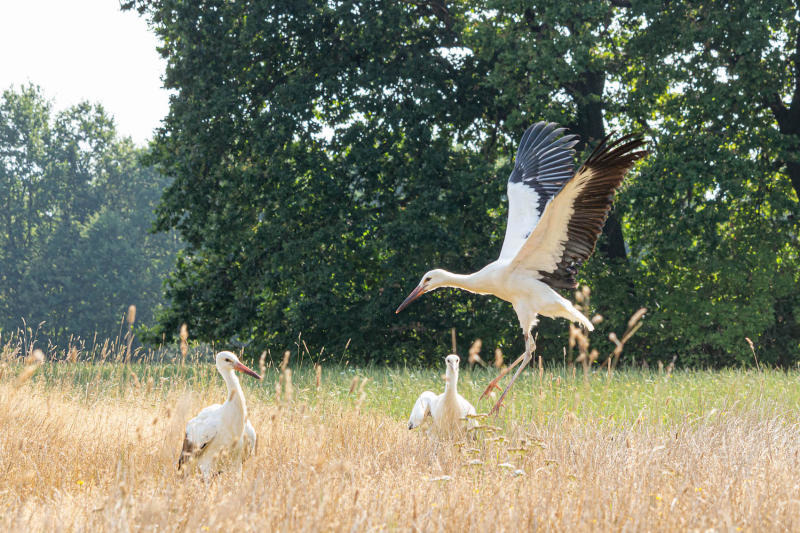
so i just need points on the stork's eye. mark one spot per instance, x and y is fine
(427, 279)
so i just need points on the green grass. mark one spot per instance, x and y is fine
(657, 399)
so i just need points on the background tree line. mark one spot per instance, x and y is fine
(325, 155)
(77, 209)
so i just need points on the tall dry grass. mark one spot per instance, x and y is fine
(98, 456)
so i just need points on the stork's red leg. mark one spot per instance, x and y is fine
(493, 384)
(526, 358)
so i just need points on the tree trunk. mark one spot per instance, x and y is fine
(588, 95)
(793, 169)
(788, 119)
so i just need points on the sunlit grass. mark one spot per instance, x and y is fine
(93, 445)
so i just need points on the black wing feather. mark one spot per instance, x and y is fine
(609, 163)
(544, 161)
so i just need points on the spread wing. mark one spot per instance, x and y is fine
(567, 232)
(200, 430)
(422, 408)
(542, 167)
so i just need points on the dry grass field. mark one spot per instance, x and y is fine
(93, 447)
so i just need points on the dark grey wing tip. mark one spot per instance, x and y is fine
(624, 151)
(543, 136)
(544, 161)
(525, 140)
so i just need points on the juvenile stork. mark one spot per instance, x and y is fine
(448, 410)
(223, 427)
(554, 218)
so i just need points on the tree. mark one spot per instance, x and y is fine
(325, 155)
(721, 257)
(75, 247)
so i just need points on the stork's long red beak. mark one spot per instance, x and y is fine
(241, 368)
(416, 293)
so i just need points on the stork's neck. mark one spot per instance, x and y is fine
(451, 385)
(235, 394)
(468, 282)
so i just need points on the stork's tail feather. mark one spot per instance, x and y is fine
(186, 453)
(572, 314)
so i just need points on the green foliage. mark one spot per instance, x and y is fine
(714, 216)
(75, 242)
(327, 155)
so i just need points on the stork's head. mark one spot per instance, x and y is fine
(431, 280)
(452, 361)
(227, 362)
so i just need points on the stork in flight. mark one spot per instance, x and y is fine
(554, 218)
(447, 410)
(223, 427)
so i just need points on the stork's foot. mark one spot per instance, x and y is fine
(494, 383)
(496, 409)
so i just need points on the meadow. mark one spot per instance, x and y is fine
(93, 446)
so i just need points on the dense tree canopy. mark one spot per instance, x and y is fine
(325, 155)
(721, 253)
(75, 243)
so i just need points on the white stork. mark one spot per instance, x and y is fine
(554, 218)
(221, 427)
(448, 409)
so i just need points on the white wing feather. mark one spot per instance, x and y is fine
(422, 408)
(542, 166)
(204, 427)
(522, 218)
(543, 249)
(465, 407)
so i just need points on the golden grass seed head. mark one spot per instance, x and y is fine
(131, 316)
(498, 357)
(287, 384)
(636, 317)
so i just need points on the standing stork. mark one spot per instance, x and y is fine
(221, 427)
(449, 409)
(554, 218)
